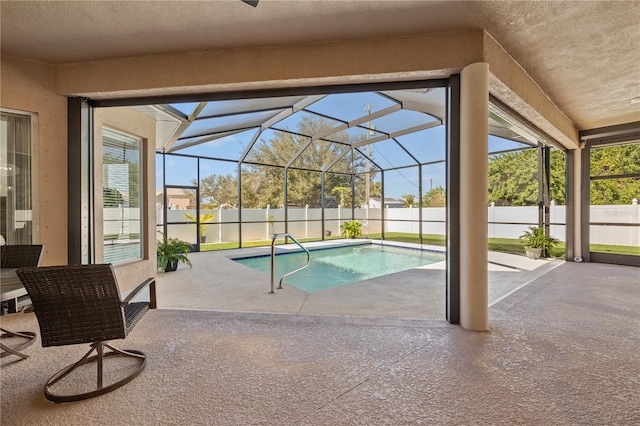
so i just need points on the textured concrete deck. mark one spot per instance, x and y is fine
(563, 350)
(218, 283)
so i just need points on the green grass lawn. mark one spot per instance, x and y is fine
(261, 243)
(506, 245)
(602, 248)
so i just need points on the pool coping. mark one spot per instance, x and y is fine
(250, 252)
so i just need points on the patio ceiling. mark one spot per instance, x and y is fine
(584, 55)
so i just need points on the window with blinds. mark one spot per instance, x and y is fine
(16, 209)
(122, 196)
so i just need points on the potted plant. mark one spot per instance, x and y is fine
(352, 229)
(536, 243)
(204, 219)
(172, 251)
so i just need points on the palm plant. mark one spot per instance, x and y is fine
(204, 219)
(535, 238)
(171, 251)
(352, 229)
(408, 200)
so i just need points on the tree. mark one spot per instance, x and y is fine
(376, 189)
(304, 188)
(218, 190)
(435, 197)
(263, 184)
(513, 178)
(611, 161)
(408, 200)
(262, 175)
(344, 193)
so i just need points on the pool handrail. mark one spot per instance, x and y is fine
(273, 257)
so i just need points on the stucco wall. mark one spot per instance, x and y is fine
(413, 57)
(135, 124)
(30, 87)
(351, 61)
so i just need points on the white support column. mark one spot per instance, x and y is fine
(306, 221)
(635, 235)
(220, 224)
(474, 141)
(266, 220)
(386, 218)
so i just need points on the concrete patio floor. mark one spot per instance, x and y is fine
(563, 350)
(217, 283)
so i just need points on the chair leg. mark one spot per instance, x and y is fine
(15, 350)
(99, 358)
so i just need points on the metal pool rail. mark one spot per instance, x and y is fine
(273, 259)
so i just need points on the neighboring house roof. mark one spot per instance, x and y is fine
(391, 202)
(387, 200)
(174, 193)
(175, 197)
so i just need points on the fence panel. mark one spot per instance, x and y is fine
(504, 222)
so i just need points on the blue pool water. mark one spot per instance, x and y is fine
(337, 266)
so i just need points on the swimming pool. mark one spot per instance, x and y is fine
(333, 267)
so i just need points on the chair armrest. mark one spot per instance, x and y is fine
(135, 291)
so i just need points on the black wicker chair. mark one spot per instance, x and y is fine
(20, 256)
(81, 304)
(11, 257)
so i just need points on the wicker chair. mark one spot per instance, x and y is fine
(81, 304)
(11, 257)
(20, 256)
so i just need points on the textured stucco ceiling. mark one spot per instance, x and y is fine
(584, 55)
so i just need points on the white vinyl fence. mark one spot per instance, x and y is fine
(504, 222)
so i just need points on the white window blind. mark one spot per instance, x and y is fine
(122, 195)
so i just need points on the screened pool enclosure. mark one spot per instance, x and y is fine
(230, 173)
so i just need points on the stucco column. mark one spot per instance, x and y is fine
(474, 141)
